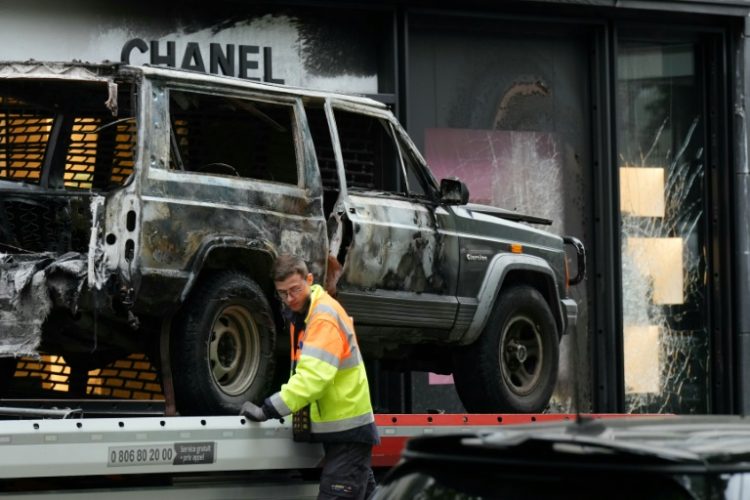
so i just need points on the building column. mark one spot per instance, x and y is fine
(742, 219)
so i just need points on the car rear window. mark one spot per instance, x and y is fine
(60, 135)
(219, 135)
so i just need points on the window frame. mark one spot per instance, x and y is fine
(292, 102)
(398, 136)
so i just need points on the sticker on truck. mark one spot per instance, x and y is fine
(162, 454)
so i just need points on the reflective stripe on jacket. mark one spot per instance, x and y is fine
(329, 374)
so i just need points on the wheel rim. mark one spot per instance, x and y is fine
(521, 355)
(234, 350)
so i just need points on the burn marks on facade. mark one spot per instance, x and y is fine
(339, 43)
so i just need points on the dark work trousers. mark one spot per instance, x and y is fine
(346, 471)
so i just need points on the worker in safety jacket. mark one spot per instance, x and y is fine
(327, 390)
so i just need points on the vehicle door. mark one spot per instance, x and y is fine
(397, 260)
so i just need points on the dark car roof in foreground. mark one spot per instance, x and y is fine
(684, 443)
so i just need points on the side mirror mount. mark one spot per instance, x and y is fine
(453, 191)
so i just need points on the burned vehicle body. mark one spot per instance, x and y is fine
(142, 208)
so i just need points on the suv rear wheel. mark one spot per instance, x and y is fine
(223, 347)
(512, 367)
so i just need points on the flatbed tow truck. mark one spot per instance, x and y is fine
(190, 457)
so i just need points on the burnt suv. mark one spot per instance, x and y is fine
(141, 209)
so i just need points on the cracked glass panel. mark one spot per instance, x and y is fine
(505, 108)
(660, 160)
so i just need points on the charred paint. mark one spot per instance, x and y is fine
(152, 237)
(395, 247)
(532, 87)
(30, 286)
(338, 43)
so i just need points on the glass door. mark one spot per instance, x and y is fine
(660, 158)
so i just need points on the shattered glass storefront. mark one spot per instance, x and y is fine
(619, 136)
(660, 132)
(505, 109)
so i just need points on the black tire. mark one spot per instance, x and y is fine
(223, 346)
(512, 367)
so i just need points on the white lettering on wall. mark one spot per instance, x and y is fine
(265, 48)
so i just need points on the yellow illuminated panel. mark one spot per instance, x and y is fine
(642, 191)
(122, 165)
(23, 140)
(81, 159)
(661, 260)
(641, 350)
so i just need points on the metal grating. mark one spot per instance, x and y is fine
(133, 377)
(359, 162)
(197, 150)
(80, 161)
(123, 161)
(24, 133)
(181, 131)
(358, 149)
(221, 136)
(39, 225)
(318, 124)
(50, 372)
(95, 158)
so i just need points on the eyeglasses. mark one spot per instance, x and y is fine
(292, 292)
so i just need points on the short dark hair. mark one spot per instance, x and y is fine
(286, 265)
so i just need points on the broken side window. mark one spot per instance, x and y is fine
(321, 134)
(370, 155)
(417, 177)
(60, 135)
(24, 133)
(221, 135)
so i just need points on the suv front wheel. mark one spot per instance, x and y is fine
(222, 349)
(512, 367)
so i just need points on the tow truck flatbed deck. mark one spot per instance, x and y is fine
(211, 456)
(137, 445)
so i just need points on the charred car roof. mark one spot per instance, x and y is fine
(104, 71)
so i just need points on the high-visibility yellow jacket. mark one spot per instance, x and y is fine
(328, 372)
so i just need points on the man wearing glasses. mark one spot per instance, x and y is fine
(327, 391)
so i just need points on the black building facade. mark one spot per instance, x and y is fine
(623, 121)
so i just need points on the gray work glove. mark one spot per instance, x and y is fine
(253, 412)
